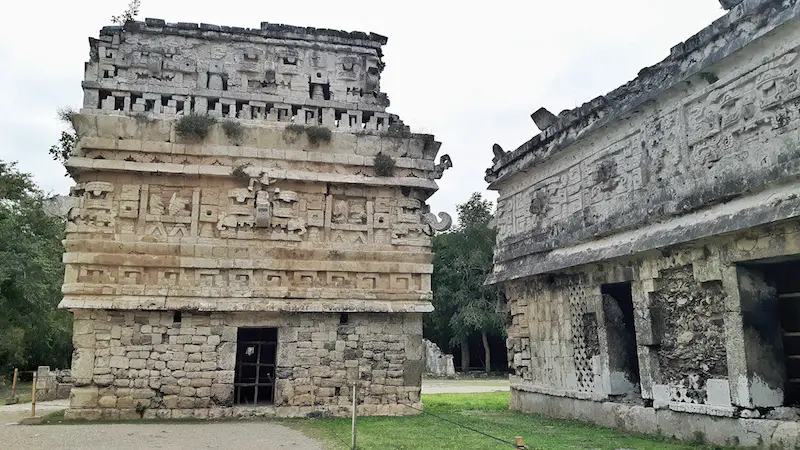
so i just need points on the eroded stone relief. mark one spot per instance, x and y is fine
(175, 245)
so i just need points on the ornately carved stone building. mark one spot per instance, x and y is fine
(649, 243)
(267, 262)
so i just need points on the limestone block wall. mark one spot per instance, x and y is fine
(134, 364)
(695, 352)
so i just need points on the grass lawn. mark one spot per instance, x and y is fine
(487, 412)
(23, 392)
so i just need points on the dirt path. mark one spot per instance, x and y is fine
(445, 386)
(250, 435)
(15, 413)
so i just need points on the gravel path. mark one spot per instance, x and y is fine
(15, 413)
(246, 435)
(250, 435)
(446, 386)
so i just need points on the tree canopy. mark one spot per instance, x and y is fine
(32, 330)
(462, 262)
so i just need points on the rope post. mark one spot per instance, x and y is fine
(519, 443)
(14, 386)
(33, 394)
(353, 431)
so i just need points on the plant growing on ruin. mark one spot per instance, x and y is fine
(67, 115)
(129, 14)
(62, 150)
(318, 135)
(234, 131)
(194, 126)
(292, 133)
(240, 173)
(140, 409)
(384, 165)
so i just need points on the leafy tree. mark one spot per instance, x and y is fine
(462, 262)
(32, 330)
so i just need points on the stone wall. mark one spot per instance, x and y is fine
(667, 211)
(693, 305)
(436, 361)
(698, 429)
(52, 384)
(143, 364)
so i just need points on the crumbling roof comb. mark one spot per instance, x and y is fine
(746, 21)
(267, 29)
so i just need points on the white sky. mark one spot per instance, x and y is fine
(469, 73)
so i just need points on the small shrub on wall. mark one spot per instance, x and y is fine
(194, 126)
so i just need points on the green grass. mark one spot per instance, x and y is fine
(53, 418)
(23, 393)
(485, 412)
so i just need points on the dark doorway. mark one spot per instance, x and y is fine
(621, 336)
(783, 279)
(254, 380)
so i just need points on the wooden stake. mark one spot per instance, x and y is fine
(14, 385)
(33, 394)
(353, 431)
(519, 442)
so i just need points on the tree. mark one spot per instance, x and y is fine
(32, 329)
(462, 262)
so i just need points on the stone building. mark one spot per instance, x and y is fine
(649, 242)
(248, 233)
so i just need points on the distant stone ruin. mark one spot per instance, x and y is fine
(436, 361)
(52, 384)
(649, 243)
(248, 232)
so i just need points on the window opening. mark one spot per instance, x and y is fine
(254, 378)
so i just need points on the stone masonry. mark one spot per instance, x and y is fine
(144, 365)
(237, 182)
(648, 243)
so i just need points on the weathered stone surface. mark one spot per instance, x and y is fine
(647, 242)
(230, 179)
(301, 381)
(436, 362)
(651, 168)
(83, 397)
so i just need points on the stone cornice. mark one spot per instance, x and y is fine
(244, 304)
(746, 22)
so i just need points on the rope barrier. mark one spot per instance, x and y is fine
(512, 444)
(344, 441)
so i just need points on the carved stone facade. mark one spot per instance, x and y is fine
(648, 243)
(267, 218)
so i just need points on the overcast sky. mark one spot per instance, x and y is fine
(470, 73)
